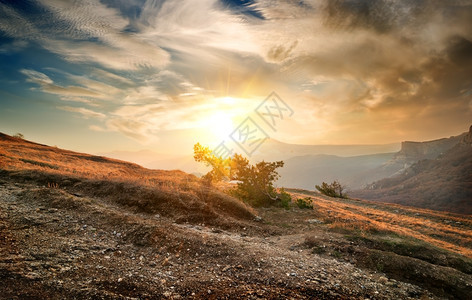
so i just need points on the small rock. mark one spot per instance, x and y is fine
(167, 294)
(166, 262)
(257, 219)
(226, 268)
(314, 221)
(383, 280)
(32, 275)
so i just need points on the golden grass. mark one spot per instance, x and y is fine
(17, 154)
(425, 225)
(172, 192)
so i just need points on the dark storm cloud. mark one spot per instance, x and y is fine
(407, 51)
(459, 51)
(381, 15)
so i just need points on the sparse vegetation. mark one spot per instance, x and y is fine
(162, 217)
(256, 181)
(285, 198)
(351, 216)
(304, 203)
(335, 189)
(220, 168)
(255, 185)
(19, 136)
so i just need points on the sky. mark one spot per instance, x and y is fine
(98, 76)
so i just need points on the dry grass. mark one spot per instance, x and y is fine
(172, 193)
(18, 154)
(448, 231)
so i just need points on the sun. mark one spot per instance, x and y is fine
(219, 125)
(220, 118)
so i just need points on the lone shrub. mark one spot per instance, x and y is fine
(304, 203)
(256, 182)
(285, 198)
(19, 136)
(334, 189)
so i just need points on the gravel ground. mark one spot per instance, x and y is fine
(58, 245)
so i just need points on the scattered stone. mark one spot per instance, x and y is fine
(383, 280)
(315, 221)
(226, 268)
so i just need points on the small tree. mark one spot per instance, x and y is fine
(334, 189)
(220, 167)
(255, 181)
(19, 136)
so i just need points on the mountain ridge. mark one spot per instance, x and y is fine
(441, 183)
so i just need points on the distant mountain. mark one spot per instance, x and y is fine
(272, 150)
(440, 183)
(411, 152)
(357, 172)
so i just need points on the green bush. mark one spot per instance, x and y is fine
(285, 198)
(255, 185)
(334, 189)
(304, 203)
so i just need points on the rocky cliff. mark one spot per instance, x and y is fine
(467, 139)
(441, 183)
(414, 151)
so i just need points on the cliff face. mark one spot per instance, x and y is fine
(414, 151)
(443, 182)
(467, 139)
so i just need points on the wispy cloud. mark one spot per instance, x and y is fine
(343, 64)
(87, 113)
(47, 85)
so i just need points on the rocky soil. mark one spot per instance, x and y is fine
(56, 245)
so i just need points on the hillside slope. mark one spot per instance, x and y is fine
(77, 226)
(172, 193)
(356, 172)
(443, 183)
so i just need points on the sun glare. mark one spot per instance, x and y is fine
(228, 100)
(220, 125)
